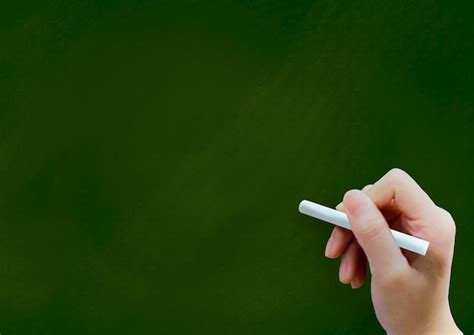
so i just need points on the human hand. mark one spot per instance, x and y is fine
(409, 291)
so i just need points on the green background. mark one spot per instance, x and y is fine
(153, 154)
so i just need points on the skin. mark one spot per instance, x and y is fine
(409, 291)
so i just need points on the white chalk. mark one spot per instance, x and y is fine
(340, 219)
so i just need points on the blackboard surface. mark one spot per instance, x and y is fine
(153, 154)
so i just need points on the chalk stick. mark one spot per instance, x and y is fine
(340, 219)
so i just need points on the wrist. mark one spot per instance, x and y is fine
(435, 322)
(443, 324)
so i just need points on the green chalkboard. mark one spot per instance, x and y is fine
(153, 154)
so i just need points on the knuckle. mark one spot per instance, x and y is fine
(397, 175)
(448, 222)
(350, 193)
(366, 187)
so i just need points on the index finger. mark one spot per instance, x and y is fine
(397, 186)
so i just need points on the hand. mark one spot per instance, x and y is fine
(409, 291)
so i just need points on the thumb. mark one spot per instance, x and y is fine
(373, 234)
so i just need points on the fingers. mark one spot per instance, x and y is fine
(340, 206)
(397, 191)
(361, 272)
(353, 258)
(398, 200)
(340, 237)
(398, 187)
(390, 211)
(338, 242)
(353, 266)
(366, 188)
(373, 234)
(350, 263)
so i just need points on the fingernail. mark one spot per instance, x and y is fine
(329, 245)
